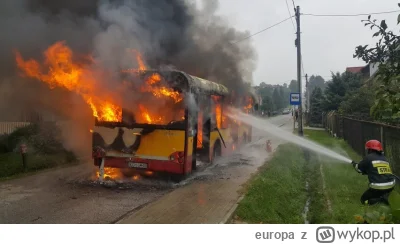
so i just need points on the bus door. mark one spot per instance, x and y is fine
(193, 118)
(204, 128)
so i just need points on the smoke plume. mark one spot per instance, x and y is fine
(174, 33)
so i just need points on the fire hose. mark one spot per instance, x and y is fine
(398, 179)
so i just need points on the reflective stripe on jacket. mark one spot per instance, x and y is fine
(378, 170)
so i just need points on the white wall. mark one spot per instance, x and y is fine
(373, 68)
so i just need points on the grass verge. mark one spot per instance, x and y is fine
(11, 163)
(343, 187)
(44, 150)
(277, 193)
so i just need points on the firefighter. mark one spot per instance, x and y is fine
(381, 179)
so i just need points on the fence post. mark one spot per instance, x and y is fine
(343, 133)
(341, 126)
(23, 150)
(362, 138)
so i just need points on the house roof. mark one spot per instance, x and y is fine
(355, 69)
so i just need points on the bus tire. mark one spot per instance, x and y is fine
(217, 151)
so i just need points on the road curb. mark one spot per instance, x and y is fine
(228, 217)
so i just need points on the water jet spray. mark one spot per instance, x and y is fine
(287, 136)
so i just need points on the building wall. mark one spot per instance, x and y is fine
(373, 68)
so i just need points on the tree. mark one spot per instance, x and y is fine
(316, 106)
(267, 104)
(276, 99)
(314, 82)
(386, 53)
(283, 101)
(337, 89)
(263, 85)
(358, 104)
(317, 81)
(293, 86)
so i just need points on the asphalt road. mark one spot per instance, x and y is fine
(67, 195)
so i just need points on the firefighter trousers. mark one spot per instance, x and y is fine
(374, 196)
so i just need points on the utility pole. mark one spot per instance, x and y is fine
(308, 101)
(298, 45)
(294, 117)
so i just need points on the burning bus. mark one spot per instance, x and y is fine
(152, 121)
(190, 126)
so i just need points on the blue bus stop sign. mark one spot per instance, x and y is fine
(295, 98)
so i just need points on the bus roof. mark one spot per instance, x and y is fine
(208, 86)
(194, 82)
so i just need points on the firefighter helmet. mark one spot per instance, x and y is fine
(374, 145)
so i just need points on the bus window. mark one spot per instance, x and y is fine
(205, 121)
(157, 102)
(217, 111)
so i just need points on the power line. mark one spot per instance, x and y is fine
(290, 14)
(316, 15)
(264, 29)
(294, 5)
(350, 15)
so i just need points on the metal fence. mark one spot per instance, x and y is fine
(357, 132)
(333, 124)
(9, 127)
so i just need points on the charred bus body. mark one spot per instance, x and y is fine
(197, 129)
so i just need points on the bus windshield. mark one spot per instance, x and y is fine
(153, 111)
(153, 101)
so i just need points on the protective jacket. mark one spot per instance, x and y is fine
(378, 170)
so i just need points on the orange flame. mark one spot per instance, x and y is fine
(218, 111)
(218, 114)
(116, 174)
(139, 59)
(160, 91)
(153, 85)
(147, 117)
(64, 72)
(200, 130)
(110, 173)
(249, 105)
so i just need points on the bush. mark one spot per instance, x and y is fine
(45, 149)
(381, 214)
(3, 143)
(41, 138)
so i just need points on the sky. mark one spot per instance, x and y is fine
(328, 43)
